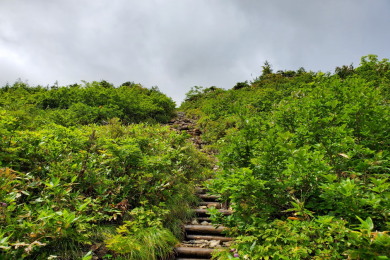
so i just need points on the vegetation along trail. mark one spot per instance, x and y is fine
(90, 172)
(201, 236)
(294, 164)
(303, 160)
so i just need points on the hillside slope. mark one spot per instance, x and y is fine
(304, 160)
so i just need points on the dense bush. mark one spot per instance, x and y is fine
(95, 102)
(305, 162)
(76, 176)
(59, 185)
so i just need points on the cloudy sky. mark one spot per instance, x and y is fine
(177, 44)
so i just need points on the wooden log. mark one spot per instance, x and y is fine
(191, 258)
(208, 197)
(204, 237)
(210, 204)
(205, 211)
(199, 190)
(204, 229)
(200, 219)
(194, 251)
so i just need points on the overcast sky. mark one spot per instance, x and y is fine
(177, 44)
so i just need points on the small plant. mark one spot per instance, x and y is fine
(368, 244)
(144, 237)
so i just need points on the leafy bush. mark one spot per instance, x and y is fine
(60, 184)
(144, 237)
(95, 102)
(300, 148)
(323, 237)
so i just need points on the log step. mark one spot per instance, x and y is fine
(206, 212)
(205, 237)
(199, 190)
(210, 204)
(208, 197)
(194, 251)
(200, 239)
(200, 219)
(204, 229)
(190, 258)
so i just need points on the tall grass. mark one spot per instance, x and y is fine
(146, 244)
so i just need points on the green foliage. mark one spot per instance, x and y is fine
(95, 102)
(266, 69)
(59, 184)
(69, 166)
(298, 148)
(323, 237)
(241, 85)
(144, 237)
(304, 161)
(344, 71)
(373, 69)
(147, 243)
(367, 244)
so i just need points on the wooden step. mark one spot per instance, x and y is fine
(201, 219)
(208, 229)
(199, 190)
(206, 237)
(194, 251)
(210, 204)
(191, 258)
(200, 212)
(208, 197)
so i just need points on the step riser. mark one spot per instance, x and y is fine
(204, 229)
(200, 190)
(205, 212)
(211, 198)
(201, 219)
(202, 239)
(211, 204)
(205, 237)
(191, 258)
(194, 252)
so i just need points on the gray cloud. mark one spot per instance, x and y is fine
(178, 44)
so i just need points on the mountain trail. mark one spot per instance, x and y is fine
(202, 236)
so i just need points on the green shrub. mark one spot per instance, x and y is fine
(144, 237)
(301, 147)
(95, 102)
(61, 184)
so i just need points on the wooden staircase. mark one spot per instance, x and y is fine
(201, 236)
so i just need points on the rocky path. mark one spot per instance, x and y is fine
(182, 123)
(202, 236)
